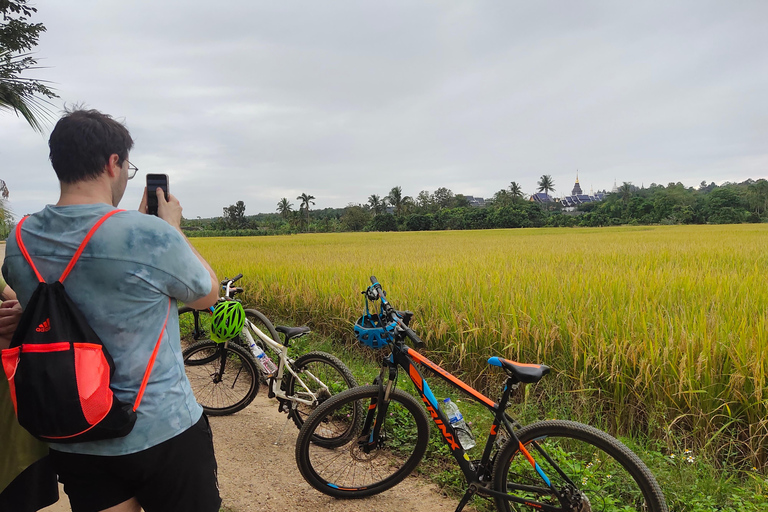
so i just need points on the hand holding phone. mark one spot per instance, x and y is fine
(155, 181)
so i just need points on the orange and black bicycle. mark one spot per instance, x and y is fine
(548, 465)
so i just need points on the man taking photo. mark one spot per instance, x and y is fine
(122, 283)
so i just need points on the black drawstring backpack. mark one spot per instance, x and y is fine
(59, 371)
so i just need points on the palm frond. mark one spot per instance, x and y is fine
(21, 95)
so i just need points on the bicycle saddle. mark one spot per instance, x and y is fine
(292, 332)
(523, 372)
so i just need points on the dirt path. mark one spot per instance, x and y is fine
(256, 475)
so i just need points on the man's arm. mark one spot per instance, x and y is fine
(211, 298)
(170, 212)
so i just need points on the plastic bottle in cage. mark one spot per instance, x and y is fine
(267, 365)
(465, 436)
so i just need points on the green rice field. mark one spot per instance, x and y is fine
(654, 330)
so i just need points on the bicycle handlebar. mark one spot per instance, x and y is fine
(230, 281)
(226, 284)
(413, 337)
(392, 314)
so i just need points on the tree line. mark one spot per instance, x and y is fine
(442, 209)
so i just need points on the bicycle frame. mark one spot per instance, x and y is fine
(284, 363)
(403, 356)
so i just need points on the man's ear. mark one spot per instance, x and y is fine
(113, 166)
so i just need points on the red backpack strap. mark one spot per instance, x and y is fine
(23, 249)
(82, 245)
(152, 358)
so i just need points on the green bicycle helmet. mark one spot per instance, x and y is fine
(228, 321)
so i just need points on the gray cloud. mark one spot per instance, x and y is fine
(255, 100)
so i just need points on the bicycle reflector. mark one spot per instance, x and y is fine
(228, 321)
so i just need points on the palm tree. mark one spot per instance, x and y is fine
(306, 199)
(546, 184)
(408, 205)
(399, 202)
(378, 204)
(284, 208)
(395, 198)
(625, 192)
(515, 191)
(22, 95)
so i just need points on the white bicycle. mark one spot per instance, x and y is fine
(226, 377)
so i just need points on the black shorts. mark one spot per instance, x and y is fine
(176, 475)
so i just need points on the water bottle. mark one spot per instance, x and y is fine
(465, 436)
(266, 363)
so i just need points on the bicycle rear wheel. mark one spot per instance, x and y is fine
(350, 470)
(589, 469)
(324, 376)
(261, 322)
(224, 377)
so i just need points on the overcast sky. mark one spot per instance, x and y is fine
(259, 100)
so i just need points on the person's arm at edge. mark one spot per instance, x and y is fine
(10, 314)
(170, 212)
(6, 293)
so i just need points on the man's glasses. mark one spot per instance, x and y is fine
(132, 170)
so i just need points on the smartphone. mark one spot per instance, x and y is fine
(154, 181)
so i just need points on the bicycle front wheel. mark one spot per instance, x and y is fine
(223, 376)
(323, 376)
(194, 325)
(589, 470)
(356, 469)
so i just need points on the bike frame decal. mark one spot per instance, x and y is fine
(430, 396)
(430, 403)
(535, 465)
(450, 378)
(454, 445)
(413, 373)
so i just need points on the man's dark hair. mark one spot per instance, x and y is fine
(82, 142)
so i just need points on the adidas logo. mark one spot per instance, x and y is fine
(45, 326)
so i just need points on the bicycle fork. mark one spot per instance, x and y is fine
(377, 409)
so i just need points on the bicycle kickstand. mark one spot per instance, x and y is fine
(282, 431)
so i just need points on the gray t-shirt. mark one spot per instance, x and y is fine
(122, 284)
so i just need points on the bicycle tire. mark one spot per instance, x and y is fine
(264, 325)
(335, 376)
(346, 471)
(219, 394)
(187, 325)
(608, 475)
